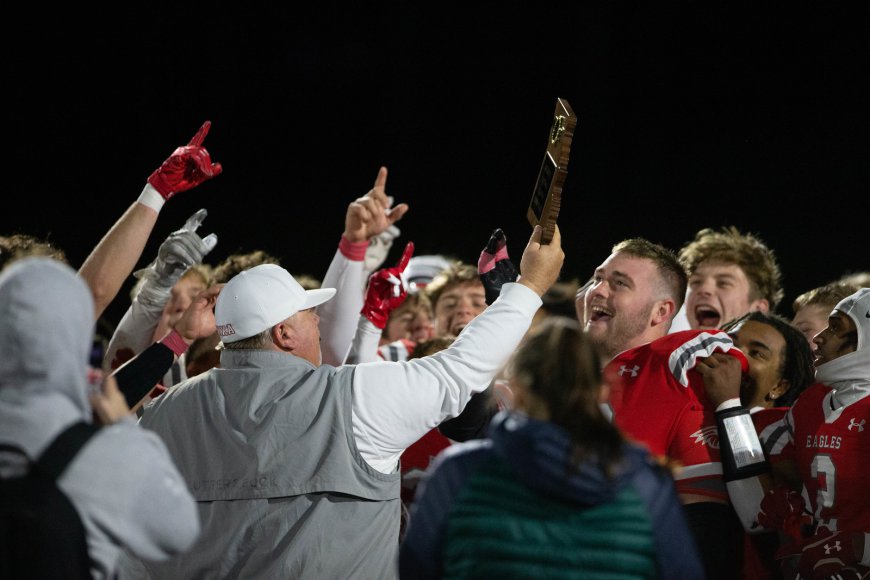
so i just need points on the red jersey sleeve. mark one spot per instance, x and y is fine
(658, 399)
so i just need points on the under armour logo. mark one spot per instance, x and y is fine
(623, 369)
(832, 548)
(853, 423)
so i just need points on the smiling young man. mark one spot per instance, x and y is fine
(730, 274)
(657, 398)
(457, 296)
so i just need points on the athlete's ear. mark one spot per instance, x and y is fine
(663, 311)
(781, 388)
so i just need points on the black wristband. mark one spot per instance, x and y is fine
(139, 375)
(739, 446)
(473, 422)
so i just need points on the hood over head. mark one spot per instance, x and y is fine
(855, 366)
(46, 334)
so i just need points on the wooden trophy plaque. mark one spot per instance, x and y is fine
(547, 195)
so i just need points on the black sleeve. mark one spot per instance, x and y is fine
(140, 374)
(719, 536)
(474, 420)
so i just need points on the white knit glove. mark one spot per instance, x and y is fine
(179, 251)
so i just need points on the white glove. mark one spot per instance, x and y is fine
(179, 251)
(379, 247)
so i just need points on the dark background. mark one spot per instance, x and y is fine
(690, 115)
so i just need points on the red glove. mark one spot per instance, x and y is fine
(386, 290)
(186, 168)
(782, 508)
(829, 555)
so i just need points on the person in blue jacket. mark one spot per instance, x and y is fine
(555, 490)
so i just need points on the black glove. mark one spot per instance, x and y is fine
(494, 267)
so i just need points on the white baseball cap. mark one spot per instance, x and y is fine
(259, 298)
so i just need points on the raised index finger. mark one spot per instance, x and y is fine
(406, 257)
(200, 135)
(381, 179)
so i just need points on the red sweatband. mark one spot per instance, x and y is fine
(175, 343)
(355, 251)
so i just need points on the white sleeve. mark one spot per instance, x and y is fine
(746, 495)
(364, 347)
(135, 331)
(339, 315)
(396, 403)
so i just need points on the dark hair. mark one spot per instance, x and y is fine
(668, 267)
(797, 358)
(558, 365)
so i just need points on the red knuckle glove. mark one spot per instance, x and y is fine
(387, 289)
(187, 167)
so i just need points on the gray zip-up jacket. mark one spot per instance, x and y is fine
(295, 467)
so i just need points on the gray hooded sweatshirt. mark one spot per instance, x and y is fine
(123, 483)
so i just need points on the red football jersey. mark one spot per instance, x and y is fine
(658, 400)
(759, 550)
(831, 449)
(769, 423)
(416, 458)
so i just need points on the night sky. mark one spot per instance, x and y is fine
(690, 115)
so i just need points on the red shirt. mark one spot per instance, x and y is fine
(759, 550)
(831, 449)
(658, 399)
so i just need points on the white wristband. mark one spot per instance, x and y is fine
(150, 197)
(729, 404)
(745, 446)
